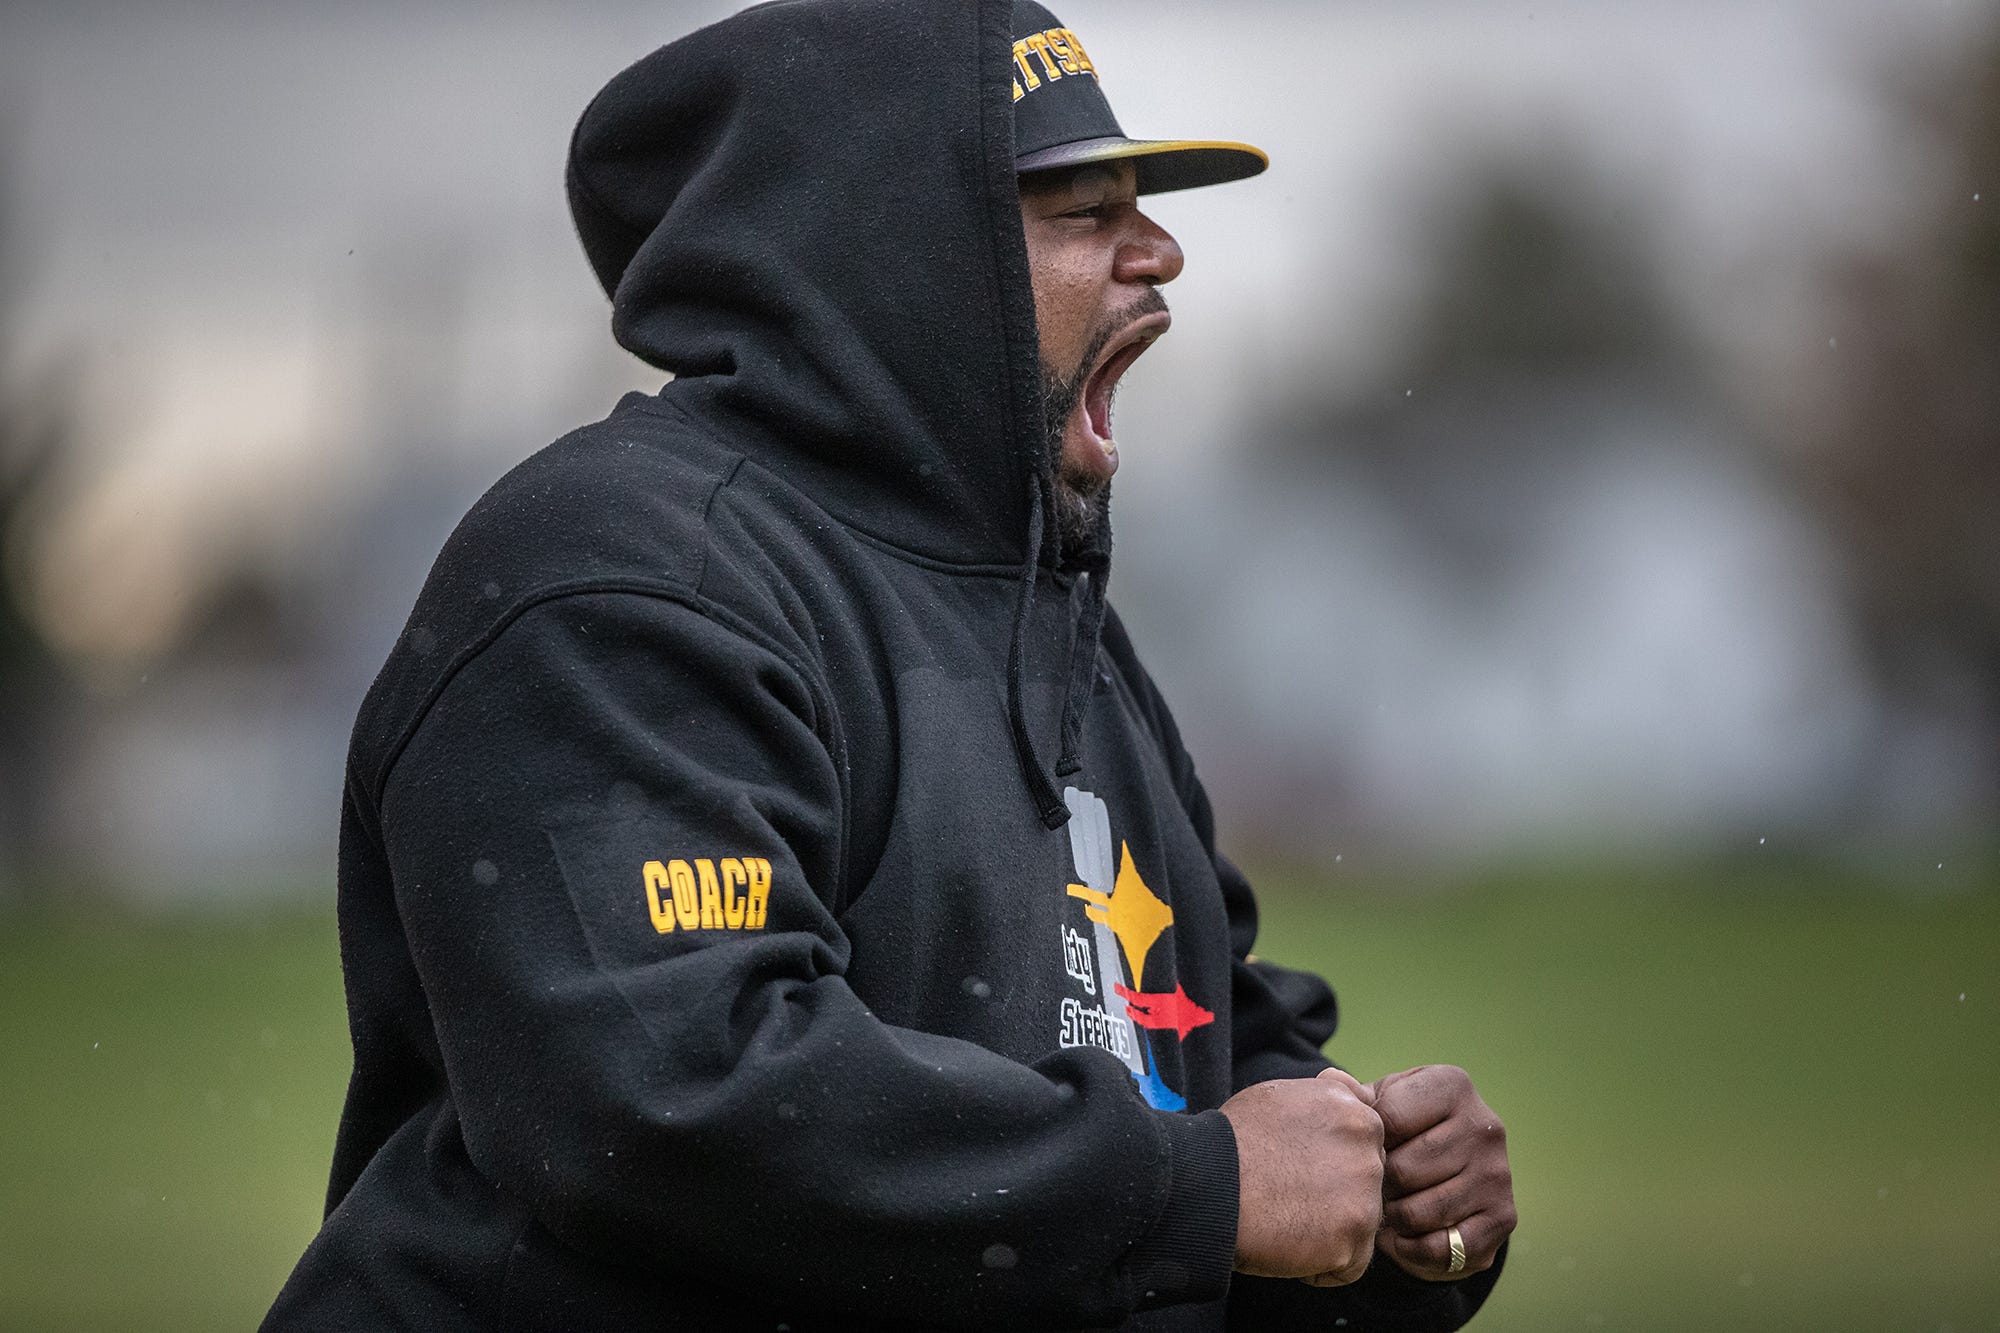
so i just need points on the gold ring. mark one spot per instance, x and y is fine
(1457, 1264)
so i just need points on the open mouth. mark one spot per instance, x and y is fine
(1094, 405)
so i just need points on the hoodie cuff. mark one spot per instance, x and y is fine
(1191, 1250)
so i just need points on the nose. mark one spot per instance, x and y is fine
(1150, 255)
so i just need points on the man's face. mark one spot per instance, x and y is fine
(1096, 262)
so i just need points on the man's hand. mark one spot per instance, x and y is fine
(1310, 1155)
(1447, 1166)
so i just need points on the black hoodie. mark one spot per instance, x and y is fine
(733, 938)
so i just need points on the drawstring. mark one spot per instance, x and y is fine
(1041, 786)
(1094, 564)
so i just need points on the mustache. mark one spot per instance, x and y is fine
(1150, 302)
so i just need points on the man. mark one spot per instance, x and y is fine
(773, 895)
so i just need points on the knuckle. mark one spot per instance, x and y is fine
(1363, 1220)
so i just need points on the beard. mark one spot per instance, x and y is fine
(1080, 495)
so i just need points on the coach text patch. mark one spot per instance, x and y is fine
(730, 893)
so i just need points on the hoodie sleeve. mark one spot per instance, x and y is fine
(614, 838)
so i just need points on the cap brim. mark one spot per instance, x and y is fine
(1162, 164)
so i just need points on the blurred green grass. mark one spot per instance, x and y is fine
(1736, 1101)
(1742, 1100)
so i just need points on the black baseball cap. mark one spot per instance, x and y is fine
(1061, 117)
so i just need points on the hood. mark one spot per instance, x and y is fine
(808, 215)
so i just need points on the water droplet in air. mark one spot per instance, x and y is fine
(491, 590)
(999, 1256)
(976, 988)
(486, 873)
(1760, 842)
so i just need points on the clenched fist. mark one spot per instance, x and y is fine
(1447, 1166)
(1310, 1164)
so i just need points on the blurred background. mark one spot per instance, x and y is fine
(1566, 518)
